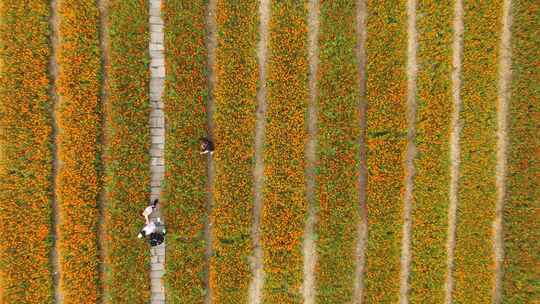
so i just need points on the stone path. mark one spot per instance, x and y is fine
(157, 132)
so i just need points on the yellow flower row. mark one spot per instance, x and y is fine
(78, 180)
(234, 118)
(338, 153)
(432, 177)
(284, 206)
(127, 142)
(521, 212)
(474, 258)
(185, 181)
(26, 154)
(386, 92)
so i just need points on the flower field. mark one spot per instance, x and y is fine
(78, 179)
(434, 111)
(284, 205)
(338, 153)
(84, 158)
(474, 257)
(521, 283)
(234, 118)
(26, 154)
(185, 182)
(386, 144)
(127, 163)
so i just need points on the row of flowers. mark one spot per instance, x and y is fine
(186, 177)
(474, 257)
(234, 117)
(26, 156)
(432, 176)
(284, 206)
(521, 220)
(78, 179)
(126, 158)
(386, 91)
(338, 153)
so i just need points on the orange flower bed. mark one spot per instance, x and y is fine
(78, 180)
(235, 103)
(433, 116)
(127, 160)
(338, 153)
(474, 258)
(26, 155)
(185, 180)
(521, 212)
(284, 206)
(386, 50)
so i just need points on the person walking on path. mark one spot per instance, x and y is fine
(207, 146)
(155, 231)
(148, 210)
(147, 230)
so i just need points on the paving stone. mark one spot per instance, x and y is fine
(157, 105)
(156, 46)
(154, 301)
(158, 296)
(157, 152)
(157, 62)
(160, 250)
(156, 83)
(154, 259)
(161, 258)
(156, 97)
(157, 169)
(155, 20)
(157, 122)
(157, 174)
(157, 287)
(157, 113)
(158, 139)
(157, 72)
(157, 131)
(157, 54)
(157, 37)
(155, 11)
(157, 266)
(156, 28)
(157, 161)
(156, 273)
(155, 191)
(155, 3)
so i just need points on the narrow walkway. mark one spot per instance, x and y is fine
(257, 283)
(505, 81)
(211, 45)
(310, 247)
(406, 254)
(157, 132)
(455, 156)
(361, 21)
(55, 221)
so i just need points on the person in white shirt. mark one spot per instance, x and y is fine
(148, 229)
(148, 210)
